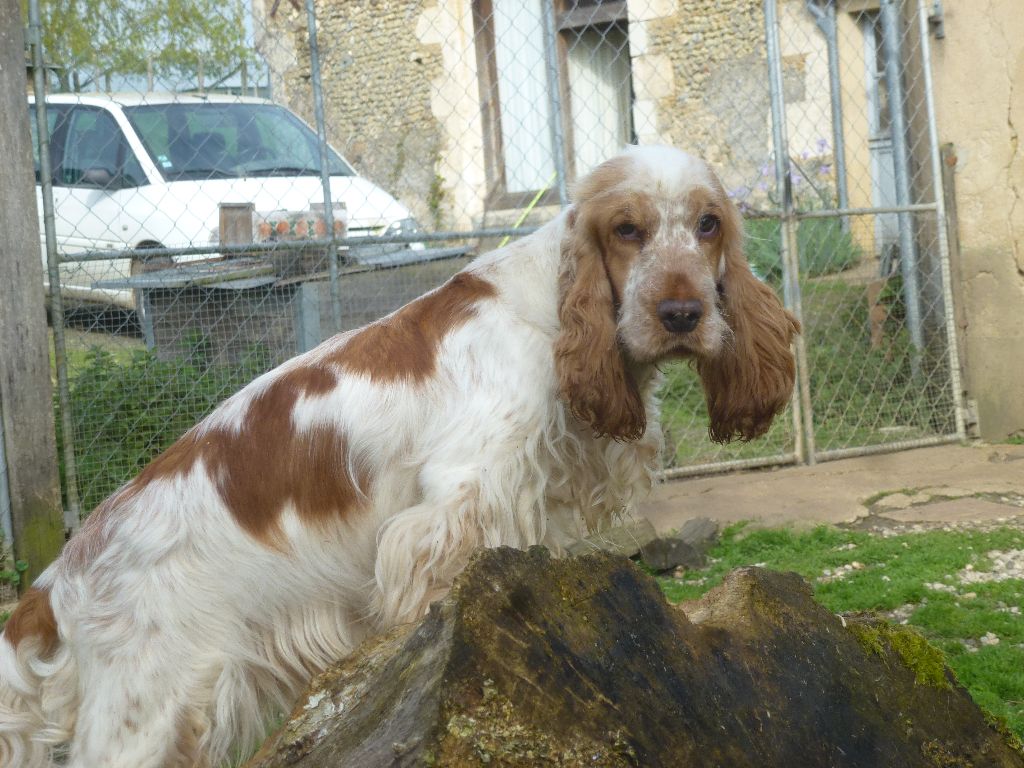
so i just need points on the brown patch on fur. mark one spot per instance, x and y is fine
(679, 286)
(594, 379)
(404, 346)
(750, 381)
(33, 618)
(267, 463)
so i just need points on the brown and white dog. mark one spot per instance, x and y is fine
(340, 493)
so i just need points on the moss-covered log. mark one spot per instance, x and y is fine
(532, 661)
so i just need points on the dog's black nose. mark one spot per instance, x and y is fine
(680, 316)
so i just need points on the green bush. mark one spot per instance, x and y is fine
(824, 246)
(125, 412)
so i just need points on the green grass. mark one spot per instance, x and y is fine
(894, 576)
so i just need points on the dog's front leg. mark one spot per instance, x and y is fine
(496, 500)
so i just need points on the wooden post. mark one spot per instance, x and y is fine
(26, 401)
(236, 223)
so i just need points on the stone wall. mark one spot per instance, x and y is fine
(402, 99)
(978, 70)
(701, 80)
(377, 76)
(693, 68)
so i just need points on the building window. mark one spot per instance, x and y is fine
(591, 47)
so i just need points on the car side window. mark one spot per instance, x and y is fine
(97, 154)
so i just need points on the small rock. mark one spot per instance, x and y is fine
(701, 533)
(668, 553)
(626, 540)
(989, 638)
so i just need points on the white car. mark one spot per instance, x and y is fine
(150, 170)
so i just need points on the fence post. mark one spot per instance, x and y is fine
(803, 419)
(943, 213)
(325, 171)
(26, 400)
(554, 101)
(892, 45)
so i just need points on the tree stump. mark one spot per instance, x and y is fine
(534, 661)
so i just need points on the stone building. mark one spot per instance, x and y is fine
(448, 104)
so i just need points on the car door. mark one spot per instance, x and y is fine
(95, 177)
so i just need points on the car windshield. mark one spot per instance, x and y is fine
(207, 140)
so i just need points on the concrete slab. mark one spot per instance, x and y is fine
(953, 511)
(845, 490)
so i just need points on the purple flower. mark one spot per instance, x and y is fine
(822, 145)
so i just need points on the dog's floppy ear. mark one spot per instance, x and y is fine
(751, 379)
(592, 374)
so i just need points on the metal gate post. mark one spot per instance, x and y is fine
(940, 213)
(802, 412)
(826, 21)
(325, 173)
(73, 514)
(901, 171)
(554, 99)
(6, 518)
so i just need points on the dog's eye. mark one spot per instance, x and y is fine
(708, 225)
(628, 231)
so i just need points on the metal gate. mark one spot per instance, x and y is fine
(897, 385)
(466, 123)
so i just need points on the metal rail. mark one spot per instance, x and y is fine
(325, 171)
(803, 414)
(289, 245)
(60, 355)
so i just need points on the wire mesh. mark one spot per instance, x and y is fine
(187, 180)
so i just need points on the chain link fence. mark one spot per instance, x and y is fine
(225, 185)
